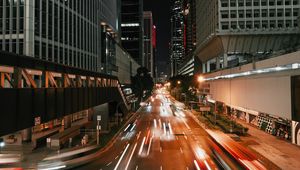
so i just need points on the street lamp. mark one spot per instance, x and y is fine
(178, 82)
(200, 79)
(2, 144)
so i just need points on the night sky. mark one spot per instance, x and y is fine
(161, 15)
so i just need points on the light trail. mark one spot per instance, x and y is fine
(186, 124)
(196, 165)
(121, 157)
(142, 145)
(130, 156)
(149, 145)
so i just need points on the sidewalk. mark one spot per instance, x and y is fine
(282, 153)
(31, 157)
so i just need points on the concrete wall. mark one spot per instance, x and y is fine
(267, 93)
(271, 95)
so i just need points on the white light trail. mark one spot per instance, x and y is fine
(55, 168)
(126, 128)
(207, 166)
(131, 156)
(149, 146)
(122, 157)
(132, 127)
(196, 165)
(186, 124)
(142, 145)
(170, 128)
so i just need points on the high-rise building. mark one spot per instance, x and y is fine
(66, 31)
(132, 28)
(154, 45)
(235, 32)
(190, 26)
(148, 39)
(177, 44)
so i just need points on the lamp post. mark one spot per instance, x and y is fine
(2, 144)
(98, 128)
(200, 80)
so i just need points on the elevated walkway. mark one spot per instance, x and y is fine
(35, 91)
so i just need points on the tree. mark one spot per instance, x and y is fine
(142, 83)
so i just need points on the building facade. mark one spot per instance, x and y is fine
(132, 28)
(177, 44)
(249, 51)
(148, 42)
(237, 32)
(190, 26)
(65, 32)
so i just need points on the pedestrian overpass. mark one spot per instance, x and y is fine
(34, 91)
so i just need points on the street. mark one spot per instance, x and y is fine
(164, 138)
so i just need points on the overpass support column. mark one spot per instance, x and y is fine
(218, 63)
(208, 66)
(67, 121)
(90, 113)
(225, 61)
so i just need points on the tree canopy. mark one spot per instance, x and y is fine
(142, 83)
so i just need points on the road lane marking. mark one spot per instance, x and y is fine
(122, 157)
(184, 135)
(186, 124)
(160, 149)
(160, 167)
(131, 156)
(155, 123)
(149, 145)
(181, 150)
(142, 145)
(138, 135)
(187, 168)
(136, 167)
(108, 164)
(116, 157)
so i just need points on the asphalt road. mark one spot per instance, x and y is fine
(163, 136)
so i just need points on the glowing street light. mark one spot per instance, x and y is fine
(200, 79)
(178, 82)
